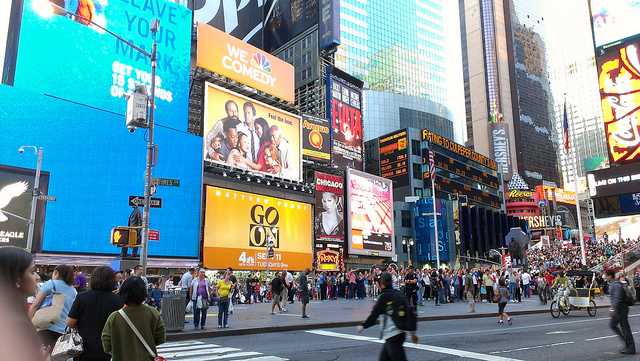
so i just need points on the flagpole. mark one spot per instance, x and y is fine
(433, 197)
(575, 182)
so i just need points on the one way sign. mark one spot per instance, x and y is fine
(139, 202)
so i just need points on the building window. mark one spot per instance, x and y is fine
(417, 171)
(415, 147)
(406, 219)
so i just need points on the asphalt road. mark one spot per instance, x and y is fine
(530, 338)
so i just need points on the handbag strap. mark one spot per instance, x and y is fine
(135, 330)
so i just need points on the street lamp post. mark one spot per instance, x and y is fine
(409, 244)
(152, 56)
(38, 151)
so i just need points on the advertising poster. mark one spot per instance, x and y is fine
(345, 109)
(370, 208)
(287, 19)
(329, 221)
(329, 24)
(315, 138)
(425, 231)
(394, 154)
(239, 225)
(501, 148)
(615, 180)
(614, 20)
(619, 80)
(239, 18)
(16, 187)
(93, 67)
(246, 134)
(617, 228)
(225, 55)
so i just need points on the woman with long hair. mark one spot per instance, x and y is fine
(90, 311)
(240, 156)
(223, 288)
(60, 283)
(330, 222)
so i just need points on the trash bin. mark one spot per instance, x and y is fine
(173, 306)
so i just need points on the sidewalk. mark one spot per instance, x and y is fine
(256, 318)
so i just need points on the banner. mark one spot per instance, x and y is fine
(370, 208)
(615, 229)
(71, 59)
(345, 109)
(239, 225)
(500, 145)
(614, 20)
(619, 79)
(329, 222)
(425, 231)
(239, 18)
(394, 155)
(315, 138)
(246, 134)
(227, 56)
(16, 195)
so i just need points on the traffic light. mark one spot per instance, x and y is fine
(124, 237)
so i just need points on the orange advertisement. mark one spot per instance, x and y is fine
(225, 55)
(238, 227)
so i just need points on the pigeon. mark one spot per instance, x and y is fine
(9, 192)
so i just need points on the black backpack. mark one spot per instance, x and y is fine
(403, 314)
(628, 295)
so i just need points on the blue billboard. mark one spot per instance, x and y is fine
(94, 165)
(424, 228)
(64, 55)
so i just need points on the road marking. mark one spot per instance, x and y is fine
(558, 332)
(437, 349)
(186, 348)
(605, 337)
(533, 347)
(230, 355)
(288, 314)
(209, 350)
(180, 343)
(200, 351)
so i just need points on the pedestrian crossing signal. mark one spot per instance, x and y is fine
(124, 237)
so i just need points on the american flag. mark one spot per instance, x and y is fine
(432, 165)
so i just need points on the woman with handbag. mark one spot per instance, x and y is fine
(223, 288)
(200, 297)
(90, 311)
(133, 332)
(51, 307)
(19, 340)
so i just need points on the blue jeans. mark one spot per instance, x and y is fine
(223, 313)
(199, 315)
(525, 289)
(512, 290)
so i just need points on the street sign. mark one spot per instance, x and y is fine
(166, 182)
(44, 197)
(154, 235)
(139, 202)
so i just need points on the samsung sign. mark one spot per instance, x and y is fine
(614, 181)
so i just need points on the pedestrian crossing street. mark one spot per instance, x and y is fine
(201, 351)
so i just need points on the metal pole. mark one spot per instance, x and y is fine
(34, 200)
(575, 185)
(409, 251)
(435, 219)
(150, 148)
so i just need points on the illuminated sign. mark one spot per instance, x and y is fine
(446, 143)
(614, 20)
(239, 225)
(315, 138)
(614, 181)
(537, 222)
(225, 55)
(520, 194)
(344, 107)
(394, 163)
(370, 208)
(501, 147)
(619, 80)
(460, 169)
(555, 194)
(329, 221)
(242, 19)
(328, 260)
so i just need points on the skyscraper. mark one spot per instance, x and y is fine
(408, 60)
(507, 86)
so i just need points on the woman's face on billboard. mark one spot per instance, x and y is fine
(329, 202)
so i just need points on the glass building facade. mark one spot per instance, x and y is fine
(400, 50)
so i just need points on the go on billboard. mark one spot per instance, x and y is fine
(238, 226)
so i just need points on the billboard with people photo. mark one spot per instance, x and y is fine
(344, 107)
(329, 222)
(246, 134)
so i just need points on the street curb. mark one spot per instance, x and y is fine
(191, 335)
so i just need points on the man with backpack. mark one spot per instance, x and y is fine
(398, 319)
(621, 298)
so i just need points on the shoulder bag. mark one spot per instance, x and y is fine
(45, 317)
(142, 340)
(68, 346)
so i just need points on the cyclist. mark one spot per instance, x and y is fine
(561, 280)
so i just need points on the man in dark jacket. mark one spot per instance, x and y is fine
(620, 313)
(393, 336)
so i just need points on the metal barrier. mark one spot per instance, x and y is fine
(173, 309)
